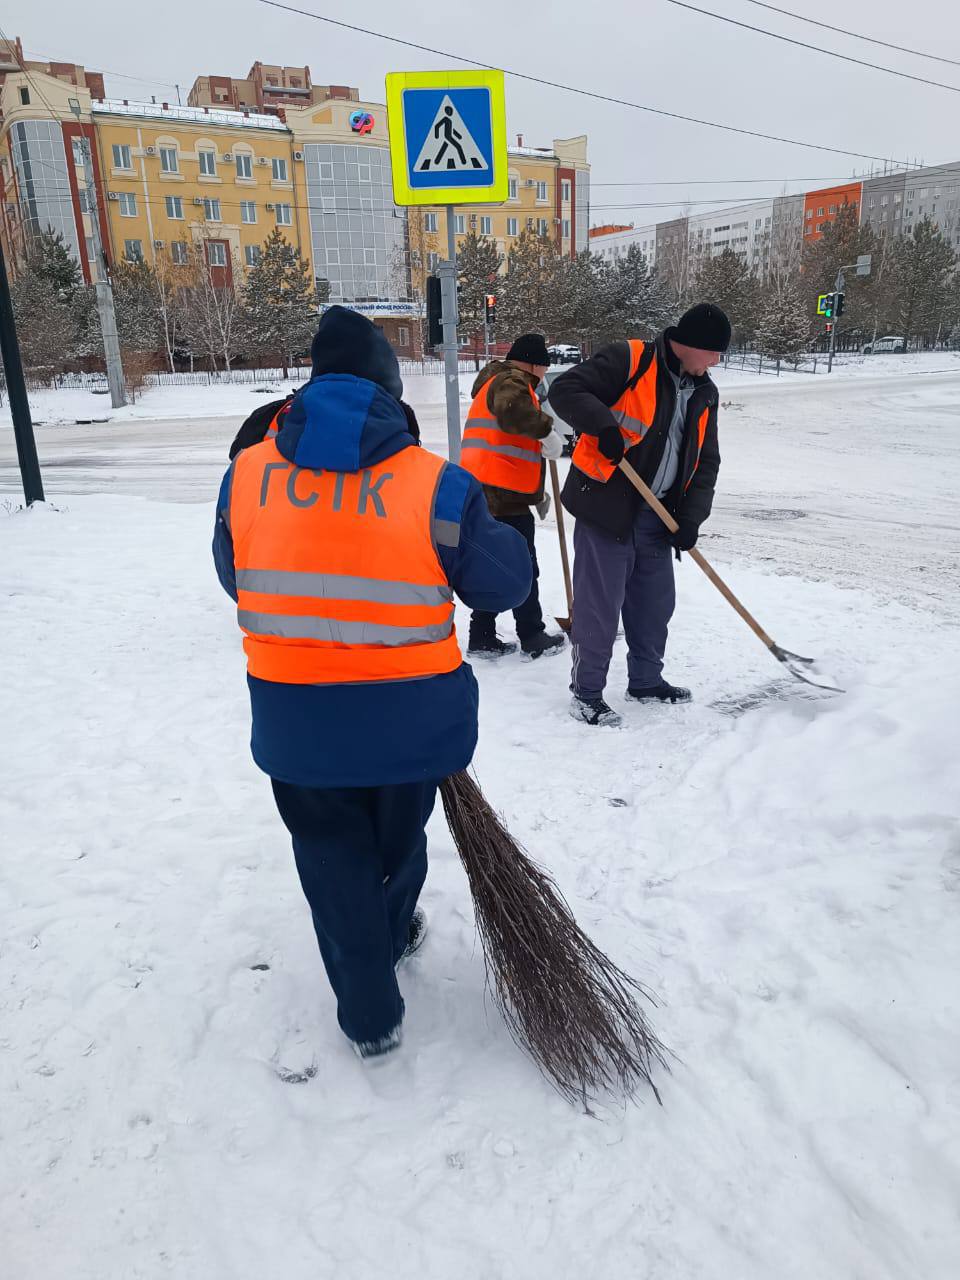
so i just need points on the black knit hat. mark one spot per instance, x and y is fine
(704, 327)
(530, 348)
(347, 342)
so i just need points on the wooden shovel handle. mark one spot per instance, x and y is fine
(564, 558)
(654, 502)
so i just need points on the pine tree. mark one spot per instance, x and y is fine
(727, 281)
(528, 294)
(641, 305)
(924, 266)
(45, 322)
(842, 243)
(48, 256)
(135, 300)
(279, 303)
(783, 328)
(478, 270)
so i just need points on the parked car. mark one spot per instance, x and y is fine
(564, 353)
(889, 343)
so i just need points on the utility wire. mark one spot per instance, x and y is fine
(857, 35)
(802, 44)
(584, 93)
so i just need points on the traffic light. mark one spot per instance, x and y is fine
(829, 326)
(490, 304)
(434, 312)
(838, 305)
(829, 302)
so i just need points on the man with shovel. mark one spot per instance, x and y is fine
(654, 404)
(506, 438)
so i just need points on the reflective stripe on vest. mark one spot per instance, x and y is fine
(338, 576)
(499, 458)
(634, 411)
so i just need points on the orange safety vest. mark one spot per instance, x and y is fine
(274, 428)
(635, 409)
(338, 576)
(496, 457)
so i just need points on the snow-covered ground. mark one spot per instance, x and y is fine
(786, 880)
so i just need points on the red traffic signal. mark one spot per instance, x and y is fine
(490, 307)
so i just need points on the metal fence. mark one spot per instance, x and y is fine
(757, 363)
(232, 377)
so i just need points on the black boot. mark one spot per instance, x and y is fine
(594, 711)
(489, 647)
(543, 643)
(661, 692)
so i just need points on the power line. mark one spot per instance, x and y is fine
(584, 93)
(802, 44)
(122, 75)
(857, 35)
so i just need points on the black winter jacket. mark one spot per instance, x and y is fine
(582, 398)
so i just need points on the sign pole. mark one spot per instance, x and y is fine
(833, 332)
(451, 353)
(17, 389)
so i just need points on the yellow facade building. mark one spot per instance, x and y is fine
(170, 179)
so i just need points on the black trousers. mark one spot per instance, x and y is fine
(362, 858)
(529, 616)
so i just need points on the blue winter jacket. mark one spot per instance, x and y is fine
(359, 735)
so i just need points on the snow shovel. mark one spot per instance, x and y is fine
(563, 623)
(797, 666)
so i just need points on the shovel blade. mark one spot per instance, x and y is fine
(564, 624)
(803, 669)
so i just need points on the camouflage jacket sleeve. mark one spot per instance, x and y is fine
(511, 404)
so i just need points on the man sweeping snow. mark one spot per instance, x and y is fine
(653, 403)
(343, 543)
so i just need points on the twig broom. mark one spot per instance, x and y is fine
(571, 1008)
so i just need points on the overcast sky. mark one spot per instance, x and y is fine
(649, 52)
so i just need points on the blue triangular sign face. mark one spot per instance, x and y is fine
(449, 146)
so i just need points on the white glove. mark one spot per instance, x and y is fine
(543, 506)
(552, 445)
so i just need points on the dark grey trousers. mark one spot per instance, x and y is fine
(633, 579)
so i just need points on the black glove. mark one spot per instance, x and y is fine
(610, 444)
(685, 538)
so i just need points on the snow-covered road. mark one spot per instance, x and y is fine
(787, 881)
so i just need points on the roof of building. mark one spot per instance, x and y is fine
(193, 115)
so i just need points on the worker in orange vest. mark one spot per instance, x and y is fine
(506, 439)
(655, 404)
(343, 543)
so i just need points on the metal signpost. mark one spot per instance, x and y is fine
(448, 146)
(862, 265)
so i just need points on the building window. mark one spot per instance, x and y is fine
(819, 226)
(433, 261)
(169, 160)
(121, 156)
(211, 210)
(542, 191)
(809, 214)
(513, 193)
(77, 152)
(541, 226)
(128, 204)
(179, 252)
(820, 212)
(486, 226)
(217, 253)
(459, 223)
(244, 165)
(133, 250)
(403, 336)
(248, 211)
(174, 206)
(833, 208)
(208, 163)
(284, 215)
(295, 82)
(279, 169)
(566, 228)
(251, 254)
(24, 97)
(430, 222)
(512, 228)
(565, 191)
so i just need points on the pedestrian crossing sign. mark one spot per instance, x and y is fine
(448, 137)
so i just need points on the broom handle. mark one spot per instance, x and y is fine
(564, 558)
(654, 502)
